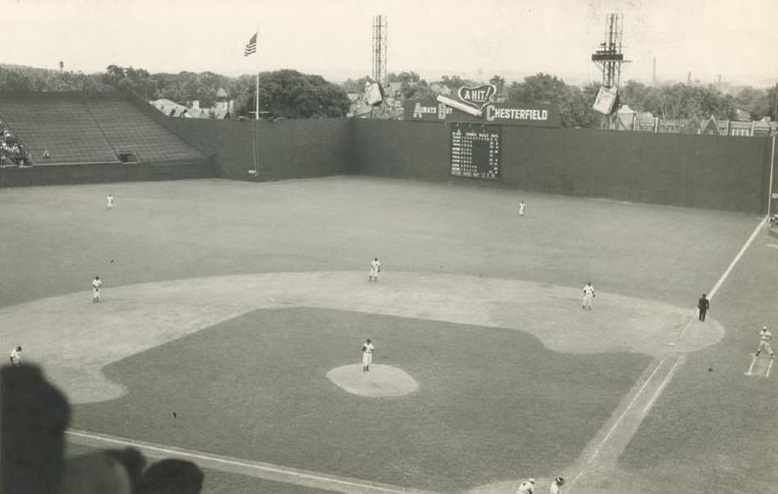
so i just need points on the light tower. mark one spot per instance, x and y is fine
(609, 57)
(380, 24)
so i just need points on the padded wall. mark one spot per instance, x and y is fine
(722, 173)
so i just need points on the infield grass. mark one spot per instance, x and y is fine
(493, 404)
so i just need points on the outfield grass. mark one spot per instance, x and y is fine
(493, 404)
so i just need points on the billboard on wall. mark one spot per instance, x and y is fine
(538, 115)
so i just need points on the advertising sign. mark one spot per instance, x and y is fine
(474, 106)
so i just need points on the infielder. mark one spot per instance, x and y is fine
(556, 485)
(375, 268)
(764, 342)
(522, 208)
(367, 355)
(16, 356)
(109, 201)
(96, 284)
(588, 296)
(526, 487)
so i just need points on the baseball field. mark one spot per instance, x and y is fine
(232, 314)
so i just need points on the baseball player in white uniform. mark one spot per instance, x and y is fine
(109, 201)
(375, 268)
(526, 487)
(588, 296)
(522, 208)
(96, 284)
(764, 342)
(16, 356)
(556, 485)
(367, 355)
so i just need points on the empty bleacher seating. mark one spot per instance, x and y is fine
(132, 132)
(75, 128)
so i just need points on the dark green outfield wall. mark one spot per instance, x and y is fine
(287, 148)
(723, 173)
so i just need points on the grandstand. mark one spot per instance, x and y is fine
(94, 128)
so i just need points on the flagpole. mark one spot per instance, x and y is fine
(256, 114)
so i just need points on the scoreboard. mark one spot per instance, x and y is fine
(475, 150)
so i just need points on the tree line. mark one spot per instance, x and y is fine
(282, 94)
(291, 94)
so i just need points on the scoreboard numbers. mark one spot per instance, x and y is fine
(475, 150)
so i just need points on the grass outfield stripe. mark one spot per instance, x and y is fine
(262, 470)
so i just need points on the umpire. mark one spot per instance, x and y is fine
(703, 304)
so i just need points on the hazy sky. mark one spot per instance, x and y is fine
(735, 38)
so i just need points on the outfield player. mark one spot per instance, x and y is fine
(526, 487)
(764, 342)
(375, 268)
(522, 208)
(556, 485)
(109, 201)
(96, 284)
(367, 355)
(16, 356)
(588, 296)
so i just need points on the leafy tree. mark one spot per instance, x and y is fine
(455, 82)
(355, 86)
(11, 80)
(538, 88)
(688, 101)
(130, 79)
(757, 102)
(290, 94)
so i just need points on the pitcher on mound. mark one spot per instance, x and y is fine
(367, 355)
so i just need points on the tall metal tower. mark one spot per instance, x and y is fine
(609, 57)
(380, 35)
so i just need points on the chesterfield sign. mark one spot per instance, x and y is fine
(475, 104)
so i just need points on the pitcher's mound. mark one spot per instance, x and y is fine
(380, 381)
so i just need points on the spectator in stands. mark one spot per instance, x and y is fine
(172, 476)
(33, 418)
(95, 473)
(133, 461)
(46, 154)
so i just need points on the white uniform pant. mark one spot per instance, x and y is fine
(367, 358)
(765, 345)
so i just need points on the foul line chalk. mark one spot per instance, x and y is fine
(249, 468)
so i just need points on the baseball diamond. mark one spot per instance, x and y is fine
(479, 350)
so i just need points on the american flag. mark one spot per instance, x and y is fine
(251, 47)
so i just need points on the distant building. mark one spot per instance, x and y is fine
(223, 108)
